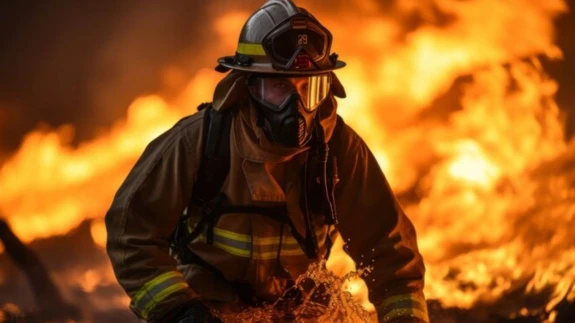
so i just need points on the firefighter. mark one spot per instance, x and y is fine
(233, 203)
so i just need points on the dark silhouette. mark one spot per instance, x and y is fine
(50, 304)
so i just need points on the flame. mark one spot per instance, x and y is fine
(98, 233)
(90, 280)
(473, 162)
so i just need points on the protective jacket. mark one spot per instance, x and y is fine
(250, 249)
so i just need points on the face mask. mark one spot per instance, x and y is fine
(289, 104)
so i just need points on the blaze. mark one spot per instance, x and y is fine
(458, 110)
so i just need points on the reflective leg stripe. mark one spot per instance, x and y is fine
(156, 290)
(410, 305)
(245, 245)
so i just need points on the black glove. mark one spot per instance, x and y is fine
(192, 312)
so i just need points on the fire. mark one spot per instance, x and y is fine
(98, 233)
(488, 222)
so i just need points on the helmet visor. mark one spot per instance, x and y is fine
(275, 91)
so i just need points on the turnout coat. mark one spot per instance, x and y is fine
(251, 249)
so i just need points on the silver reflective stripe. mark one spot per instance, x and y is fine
(156, 290)
(406, 305)
(244, 245)
(233, 243)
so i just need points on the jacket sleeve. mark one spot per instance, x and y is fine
(144, 212)
(378, 233)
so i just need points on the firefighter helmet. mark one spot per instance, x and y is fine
(282, 38)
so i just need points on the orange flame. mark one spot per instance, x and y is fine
(472, 163)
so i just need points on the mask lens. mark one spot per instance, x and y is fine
(275, 91)
(316, 92)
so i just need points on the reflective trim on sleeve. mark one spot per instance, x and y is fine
(156, 290)
(411, 305)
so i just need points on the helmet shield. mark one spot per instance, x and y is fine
(275, 92)
(299, 43)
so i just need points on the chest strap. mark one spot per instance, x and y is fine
(214, 209)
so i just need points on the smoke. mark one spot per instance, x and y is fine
(83, 62)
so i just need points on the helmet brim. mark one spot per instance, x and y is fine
(267, 68)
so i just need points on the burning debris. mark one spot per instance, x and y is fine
(82, 286)
(50, 305)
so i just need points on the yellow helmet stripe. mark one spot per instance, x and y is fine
(251, 49)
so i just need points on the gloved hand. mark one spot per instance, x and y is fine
(193, 312)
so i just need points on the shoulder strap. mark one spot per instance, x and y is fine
(213, 170)
(215, 163)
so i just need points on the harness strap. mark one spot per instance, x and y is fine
(215, 164)
(212, 213)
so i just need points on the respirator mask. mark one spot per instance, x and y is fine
(288, 105)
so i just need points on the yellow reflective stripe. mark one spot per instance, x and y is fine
(274, 254)
(251, 49)
(403, 305)
(233, 250)
(273, 240)
(161, 296)
(247, 253)
(156, 290)
(248, 238)
(224, 233)
(149, 285)
(398, 298)
(230, 249)
(232, 235)
(411, 312)
(241, 244)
